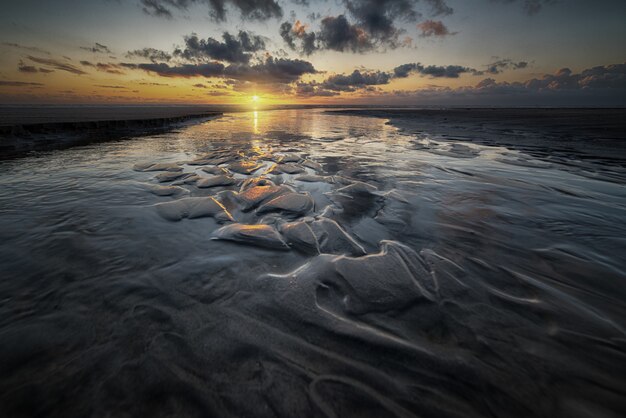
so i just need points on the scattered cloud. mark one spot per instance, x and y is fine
(97, 49)
(152, 54)
(30, 69)
(500, 65)
(57, 65)
(110, 67)
(436, 28)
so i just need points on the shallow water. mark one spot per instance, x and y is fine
(388, 273)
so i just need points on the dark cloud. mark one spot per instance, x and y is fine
(338, 34)
(298, 32)
(152, 54)
(403, 71)
(356, 80)
(500, 65)
(269, 71)
(449, 71)
(368, 80)
(200, 86)
(97, 48)
(234, 49)
(531, 7)
(434, 28)
(87, 64)
(249, 9)
(58, 65)
(281, 71)
(433, 71)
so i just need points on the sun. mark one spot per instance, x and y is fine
(255, 99)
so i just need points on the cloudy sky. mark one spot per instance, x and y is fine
(405, 52)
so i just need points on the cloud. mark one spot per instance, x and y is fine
(249, 9)
(110, 67)
(21, 67)
(97, 48)
(600, 85)
(500, 65)
(367, 80)
(234, 49)
(403, 71)
(281, 71)
(152, 54)
(365, 25)
(58, 65)
(271, 70)
(338, 34)
(434, 28)
(432, 71)
(313, 89)
(449, 71)
(157, 8)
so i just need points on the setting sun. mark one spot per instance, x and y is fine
(255, 99)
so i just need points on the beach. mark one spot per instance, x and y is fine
(319, 262)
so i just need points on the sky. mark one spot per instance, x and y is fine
(387, 52)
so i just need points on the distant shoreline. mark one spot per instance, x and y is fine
(20, 138)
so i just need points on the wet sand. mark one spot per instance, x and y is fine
(306, 263)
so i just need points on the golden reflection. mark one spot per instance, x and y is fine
(256, 122)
